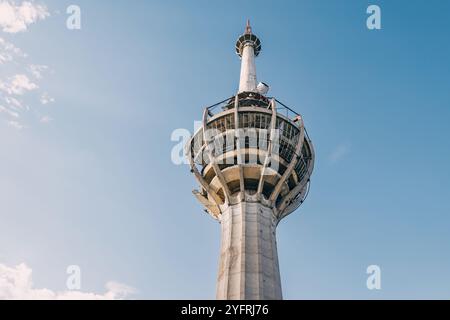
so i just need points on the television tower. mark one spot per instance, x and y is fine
(253, 160)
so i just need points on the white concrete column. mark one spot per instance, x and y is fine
(248, 80)
(248, 267)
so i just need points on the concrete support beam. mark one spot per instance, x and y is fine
(238, 145)
(296, 157)
(212, 158)
(269, 147)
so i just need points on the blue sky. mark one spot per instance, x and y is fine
(88, 180)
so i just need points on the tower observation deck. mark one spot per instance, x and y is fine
(253, 160)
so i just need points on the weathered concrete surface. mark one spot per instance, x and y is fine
(248, 81)
(248, 266)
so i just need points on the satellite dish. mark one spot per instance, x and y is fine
(262, 88)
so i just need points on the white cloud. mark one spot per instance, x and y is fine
(36, 70)
(9, 112)
(16, 284)
(46, 119)
(20, 76)
(18, 85)
(339, 152)
(13, 103)
(8, 52)
(17, 17)
(16, 124)
(46, 99)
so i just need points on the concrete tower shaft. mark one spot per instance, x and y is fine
(247, 47)
(253, 160)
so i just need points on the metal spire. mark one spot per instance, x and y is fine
(248, 28)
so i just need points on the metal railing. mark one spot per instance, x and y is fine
(281, 108)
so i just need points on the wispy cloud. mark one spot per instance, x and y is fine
(24, 76)
(16, 125)
(13, 102)
(16, 283)
(339, 152)
(46, 99)
(8, 52)
(9, 112)
(46, 119)
(37, 70)
(17, 17)
(18, 85)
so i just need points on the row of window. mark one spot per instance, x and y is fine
(302, 165)
(285, 149)
(254, 120)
